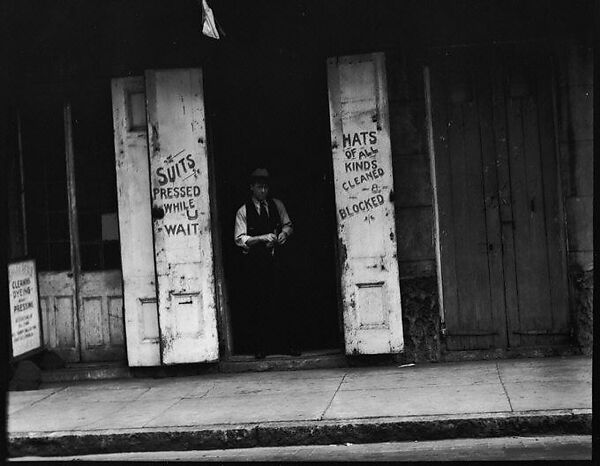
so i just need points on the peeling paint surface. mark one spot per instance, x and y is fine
(363, 179)
(182, 235)
(135, 227)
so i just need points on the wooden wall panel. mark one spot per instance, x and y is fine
(414, 230)
(413, 185)
(115, 317)
(101, 315)
(57, 299)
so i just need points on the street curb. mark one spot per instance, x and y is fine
(563, 422)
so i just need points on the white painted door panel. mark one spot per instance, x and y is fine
(135, 223)
(101, 316)
(59, 314)
(362, 165)
(182, 232)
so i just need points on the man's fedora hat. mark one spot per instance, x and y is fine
(260, 174)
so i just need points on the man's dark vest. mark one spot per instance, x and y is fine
(257, 226)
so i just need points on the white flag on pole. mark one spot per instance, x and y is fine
(209, 27)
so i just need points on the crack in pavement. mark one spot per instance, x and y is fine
(333, 397)
(177, 401)
(503, 387)
(204, 395)
(37, 401)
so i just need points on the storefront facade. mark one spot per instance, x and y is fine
(438, 175)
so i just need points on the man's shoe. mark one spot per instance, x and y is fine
(260, 354)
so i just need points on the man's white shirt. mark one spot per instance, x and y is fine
(240, 233)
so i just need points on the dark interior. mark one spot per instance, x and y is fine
(268, 108)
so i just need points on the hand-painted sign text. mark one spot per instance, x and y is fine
(24, 307)
(362, 166)
(175, 184)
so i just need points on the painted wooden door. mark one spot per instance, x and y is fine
(59, 314)
(362, 166)
(100, 314)
(468, 209)
(539, 310)
(182, 220)
(500, 223)
(135, 223)
(81, 312)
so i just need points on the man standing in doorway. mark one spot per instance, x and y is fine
(262, 227)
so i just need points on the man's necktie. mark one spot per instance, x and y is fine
(263, 211)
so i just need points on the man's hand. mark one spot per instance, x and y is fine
(281, 239)
(270, 239)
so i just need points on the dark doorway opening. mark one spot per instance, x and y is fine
(269, 107)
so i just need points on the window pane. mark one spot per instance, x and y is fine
(91, 256)
(40, 252)
(57, 192)
(45, 181)
(58, 226)
(112, 255)
(95, 177)
(37, 225)
(89, 226)
(60, 256)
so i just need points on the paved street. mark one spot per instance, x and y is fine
(573, 447)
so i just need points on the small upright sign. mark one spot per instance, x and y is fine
(25, 316)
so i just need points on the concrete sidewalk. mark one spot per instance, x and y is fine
(392, 403)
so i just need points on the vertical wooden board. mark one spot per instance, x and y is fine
(554, 212)
(469, 214)
(527, 203)
(505, 197)
(470, 317)
(115, 316)
(539, 313)
(363, 181)
(135, 223)
(182, 232)
(456, 320)
(519, 200)
(484, 96)
(91, 319)
(474, 231)
(96, 289)
(64, 317)
(57, 289)
(48, 327)
(519, 204)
